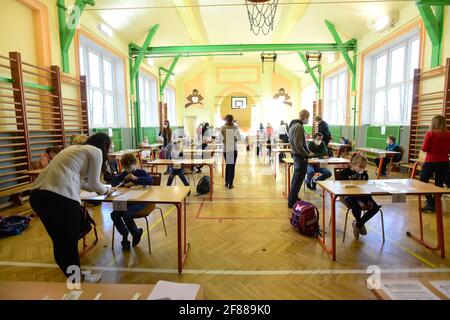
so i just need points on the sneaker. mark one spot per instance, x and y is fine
(89, 277)
(125, 244)
(230, 187)
(310, 186)
(363, 231)
(355, 230)
(137, 238)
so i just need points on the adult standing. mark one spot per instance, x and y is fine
(230, 135)
(166, 134)
(55, 197)
(437, 146)
(282, 132)
(300, 154)
(324, 129)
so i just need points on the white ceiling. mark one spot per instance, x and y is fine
(228, 24)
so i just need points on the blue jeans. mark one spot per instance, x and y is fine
(124, 220)
(311, 170)
(177, 172)
(300, 166)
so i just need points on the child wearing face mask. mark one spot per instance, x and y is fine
(318, 148)
(124, 220)
(357, 171)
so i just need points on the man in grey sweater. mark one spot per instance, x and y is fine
(300, 154)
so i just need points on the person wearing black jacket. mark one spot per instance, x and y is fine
(324, 129)
(357, 171)
(124, 220)
(300, 154)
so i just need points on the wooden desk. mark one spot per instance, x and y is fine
(152, 147)
(337, 147)
(14, 290)
(165, 195)
(276, 153)
(119, 154)
(288, 163)
(381, 154)
(188, 162)
(384, 187)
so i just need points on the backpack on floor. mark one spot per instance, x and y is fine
(203, 185)
(305, 218)
(13, 225)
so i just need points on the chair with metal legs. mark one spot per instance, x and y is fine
(144, 213)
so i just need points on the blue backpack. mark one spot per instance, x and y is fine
(13, 225)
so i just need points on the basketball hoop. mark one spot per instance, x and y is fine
(261, 14)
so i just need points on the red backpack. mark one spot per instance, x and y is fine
(305, 218)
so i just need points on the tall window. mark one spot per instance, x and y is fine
(105, 83)
(148, 101)
(171, 106)
(308, 98)
(335, 98)
(390, 81)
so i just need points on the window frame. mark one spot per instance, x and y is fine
(330, 102)
(152, 82)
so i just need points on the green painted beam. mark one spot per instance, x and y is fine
(140, 57)
(434, 23)
(28, 84)
(138, 112)
(311, 71)
(166, 70)
(67, 28)
(342, 47)
(433, 2)
(174, 50)
(167, 77)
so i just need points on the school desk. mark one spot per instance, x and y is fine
(187, 162)
(383, 187)
(15, 290)
(288, 163)
(119, 154)
(276, 153)
(161, 195)
(153, 147)
(382, 154)
(337, 146)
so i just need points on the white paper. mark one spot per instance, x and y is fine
(383, 130)
(73, 295)
(407, 290)
(120, 205)
(174, 291)
(442, 286)
(85, 194)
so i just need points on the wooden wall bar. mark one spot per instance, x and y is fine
(35, 115)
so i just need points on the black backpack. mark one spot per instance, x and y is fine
(13, 225)
(203, 185)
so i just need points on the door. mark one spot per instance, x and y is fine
(189, 124)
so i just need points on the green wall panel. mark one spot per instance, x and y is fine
(336, 133)
(374, 138)
(116, 137)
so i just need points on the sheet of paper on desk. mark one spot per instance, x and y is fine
(86, 195)
(174, 291)
(132, 194)
(442, 286)
(407, 290)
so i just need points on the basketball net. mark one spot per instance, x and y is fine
(261, 15)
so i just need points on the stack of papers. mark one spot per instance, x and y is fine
(165, 290)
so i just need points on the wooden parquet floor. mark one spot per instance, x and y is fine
(243, 247)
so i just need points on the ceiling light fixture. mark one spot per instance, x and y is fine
(383, 23)
(105, 29)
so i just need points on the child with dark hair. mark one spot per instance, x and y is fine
(357, 171)
(391, 146)
(177, 169)
(46, 157)
(124, 220)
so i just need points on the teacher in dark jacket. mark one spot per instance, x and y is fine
(324, 129)
(300, 154)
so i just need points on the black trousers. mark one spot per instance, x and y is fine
(355, 204)
(230, 160)
(61, 217)
(385, 163)
(439, 170)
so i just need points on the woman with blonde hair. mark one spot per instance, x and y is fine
(437, 146)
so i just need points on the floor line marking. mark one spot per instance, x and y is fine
(232, 272)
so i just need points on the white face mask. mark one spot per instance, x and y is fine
(318, 142)
(305, 121)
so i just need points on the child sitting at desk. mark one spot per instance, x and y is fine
(45, 158)
(177, 168)
(124, 220)
(357, 171)
(391, 146)
(318, 148)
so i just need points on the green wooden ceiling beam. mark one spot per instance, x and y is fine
(67, 28)
(433, 2)
(167, 76)
(310, 70)
(343, 47)
(186, 50)
(140, 56)
(434, 24)
(166, 70)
